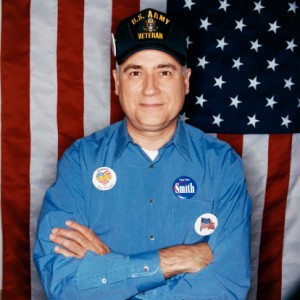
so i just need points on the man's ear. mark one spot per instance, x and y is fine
(116, 79)
(187, 76)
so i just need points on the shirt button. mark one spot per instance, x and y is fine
(152, 166)
(151, 201)
(146, 268)
(103, 280)
(152, 237)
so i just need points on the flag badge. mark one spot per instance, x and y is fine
(206, 224)
(104, 178)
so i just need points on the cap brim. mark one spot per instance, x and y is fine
(180, 58)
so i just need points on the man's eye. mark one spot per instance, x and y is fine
(135, 73)
(165, 73)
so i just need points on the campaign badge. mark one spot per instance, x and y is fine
(104, 178)
(184, 187)
(206, 224)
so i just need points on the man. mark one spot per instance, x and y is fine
(150, 207)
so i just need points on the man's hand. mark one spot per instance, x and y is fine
(74, 242)
(184, 259)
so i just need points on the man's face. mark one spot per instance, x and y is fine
(151, 87)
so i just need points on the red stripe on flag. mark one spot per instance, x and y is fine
(70, 72)
(235, 140)
(272, 232)
(15, 192)
(120, 10)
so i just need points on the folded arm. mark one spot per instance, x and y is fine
(78, 239)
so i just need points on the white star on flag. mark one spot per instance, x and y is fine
(223, 5)
(221, 43)
(240, 25)
(255, 45)
(189, 3)
(291, 45)
(271, 102)
(258, 6)
(188, 42)
(288, 83)
(272, 64)
(237, 63)
(252, 120)
(217, 120)
(285, 121)
(201, 100)
(274, 26)
(219, 82)
(292, 7)
(235, 101)
(204, 24)
(183, 117)
(253, 82)
(202, 62)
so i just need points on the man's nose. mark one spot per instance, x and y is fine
(150, 85)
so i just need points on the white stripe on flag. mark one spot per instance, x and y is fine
(160, 5)
(291, 245)
(255, 159)
(43, 113)
(97, 41)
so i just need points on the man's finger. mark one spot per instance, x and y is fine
(78, 239)
(68, 244)
(86, 232)
(71, 235)
(65, 252)
(96, 244)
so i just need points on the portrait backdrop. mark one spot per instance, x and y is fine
(56, 86)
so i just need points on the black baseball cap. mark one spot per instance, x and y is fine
(149, 29)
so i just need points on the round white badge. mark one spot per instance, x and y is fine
(206, 224)
(104, 178)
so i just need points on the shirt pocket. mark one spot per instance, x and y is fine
(185, 214)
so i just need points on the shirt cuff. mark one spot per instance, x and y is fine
(145, 269)
(96, 271)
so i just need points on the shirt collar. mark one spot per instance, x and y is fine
(122, 139)
(179, 139)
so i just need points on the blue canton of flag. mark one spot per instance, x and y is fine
(245, 65)
(206, 223)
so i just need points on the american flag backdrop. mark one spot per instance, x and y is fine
(245, 88)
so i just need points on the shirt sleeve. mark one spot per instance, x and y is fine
(229, 274)
(231, 242)
(111, 276)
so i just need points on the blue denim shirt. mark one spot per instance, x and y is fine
(149, 207)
